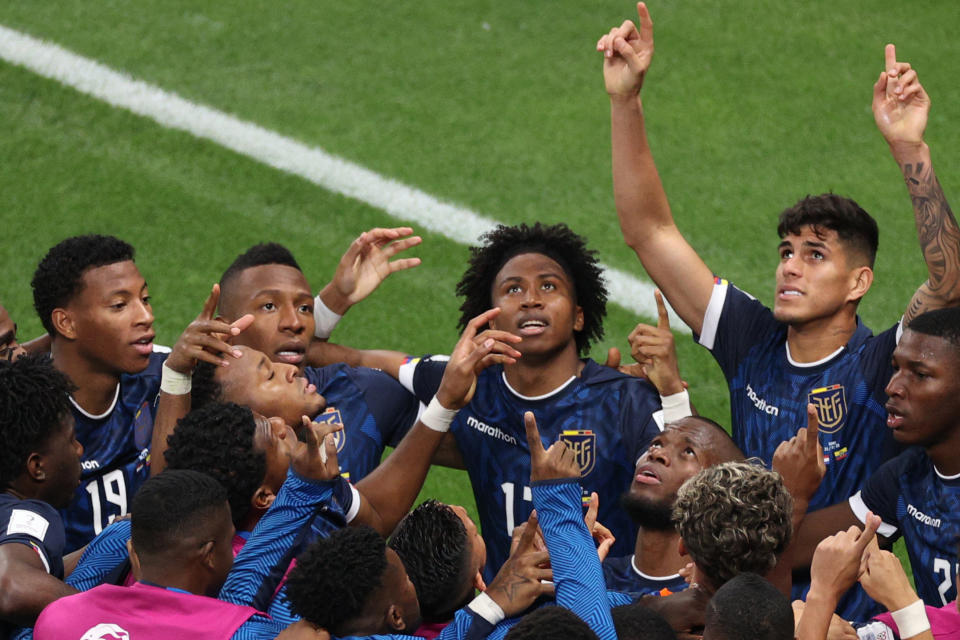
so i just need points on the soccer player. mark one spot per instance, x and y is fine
(811, 347)
(549, 288)
(39, 472)
(95, 306)
(748, 607)
(682, 450)
(917, 494)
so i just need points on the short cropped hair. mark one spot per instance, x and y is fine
(335, 577)
(204, 387)
(855, 227)
(34, 401)
(169, 506)
(748, 607)
(559, 243)
(734, 517)
(59, 276)
(432, 543)
(637, 622)
(940, 323)
(256, 256)
(548, 623)
(217, 439)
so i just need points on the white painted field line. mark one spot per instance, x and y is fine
(319, 167)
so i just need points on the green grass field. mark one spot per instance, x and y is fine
(498, 107)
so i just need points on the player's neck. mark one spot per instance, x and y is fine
(944, 454)
(657, 553)
(23, 490)
(815, 340)
(96, 388)
(176, 578)
(537, 375)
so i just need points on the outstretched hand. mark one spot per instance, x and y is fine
(475, 351)
(367, 263)
(837, 562)
(800, 459)
(317, 459)
(627, 53)
(654, 350)
(525, 576)
(556, 463)
(600, 534)
(204, 339)
(884, 580)
(900, 104)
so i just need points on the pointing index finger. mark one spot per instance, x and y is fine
(890, 59)
(813, 426)
(663, 318)
(210, 306)
(533, 436)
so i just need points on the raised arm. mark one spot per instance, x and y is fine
(642, 207)
(900, 109)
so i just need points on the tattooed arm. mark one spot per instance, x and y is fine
(900, 109)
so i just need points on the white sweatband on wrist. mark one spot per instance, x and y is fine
(484, 606)
(676, 406)
(437, 417)
(174, 382)
(325, 320)
(911, 620)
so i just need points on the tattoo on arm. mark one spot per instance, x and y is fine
(939, 240)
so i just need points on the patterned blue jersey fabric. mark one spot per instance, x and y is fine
(374, 409)
(620, 574)
(606, 416)
(116, 452)
(916, 502)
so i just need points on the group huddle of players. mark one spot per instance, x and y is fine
(232, 486)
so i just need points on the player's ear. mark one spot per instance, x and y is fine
(64, 323)
(262, 498)
(207, 556)
(478, 582)
(35, 467)
(681, 548)
(395, 618)
(860, 280)
(578, 319)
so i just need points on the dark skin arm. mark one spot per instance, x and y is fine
(389, 491)
(25, 586)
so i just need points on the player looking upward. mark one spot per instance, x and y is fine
(810, 347)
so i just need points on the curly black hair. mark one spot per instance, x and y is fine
(854, 226)
(558, 242)
(939, 323)
(59, 276)
(638, 622)
(748, 607)
(34, 401)
(432, 543)
(548, 623)
(204, 388)
(217, 439)
(335, 577)
(171, 505)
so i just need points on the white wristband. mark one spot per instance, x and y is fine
(675, 406)
(438, 417)
(911, 620)
(325, 320)
(174, 382)
(484, 606)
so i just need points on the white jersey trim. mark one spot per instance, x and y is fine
(860, 509)
(406, 371)
(943, 477)
(807, 365)
(354, 505)
(535, 398)
(116, 396)
(711, 317)
(633, 565)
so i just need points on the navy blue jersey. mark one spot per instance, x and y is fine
(915, 501)
(605, 416)
(374, 409)
(769, 392)
(116, 454)
(621, 574)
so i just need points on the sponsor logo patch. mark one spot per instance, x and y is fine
(29, 523)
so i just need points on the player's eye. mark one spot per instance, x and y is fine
(146, 300)
(118, 306)
(268, 306)
(514, 288)
(689, 452)
(816, 255)
(548, 286)
(306, 308)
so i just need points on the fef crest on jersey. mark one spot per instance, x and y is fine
(831, 404)
(584, 445)
(106, 632)
(332, 416)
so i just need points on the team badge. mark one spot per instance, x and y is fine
(831, 404)
(584, 445)
(332, 416)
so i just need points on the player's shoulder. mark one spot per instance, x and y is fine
(31, 518)
(595, 374)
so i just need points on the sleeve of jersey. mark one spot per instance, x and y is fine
(422, 376)
(394, 408)
(273, 536)
(576, 568)
(733, 322)
(258, 628)
(104, 554)
(880, 495)
(38, 526)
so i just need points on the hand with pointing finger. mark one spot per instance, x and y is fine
(204, 339)
(556, 463)
(837, 560)
(317, 459)
(900, 105)
(800, 459)
(525, 576)
(654, 350)
(627, 53)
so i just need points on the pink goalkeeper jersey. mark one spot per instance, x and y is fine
(141, 611)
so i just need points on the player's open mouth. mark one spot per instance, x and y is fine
(290, 355)
(647, 476)
(787, 293)
(144, 346)
(532, 327)
(894, 418)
